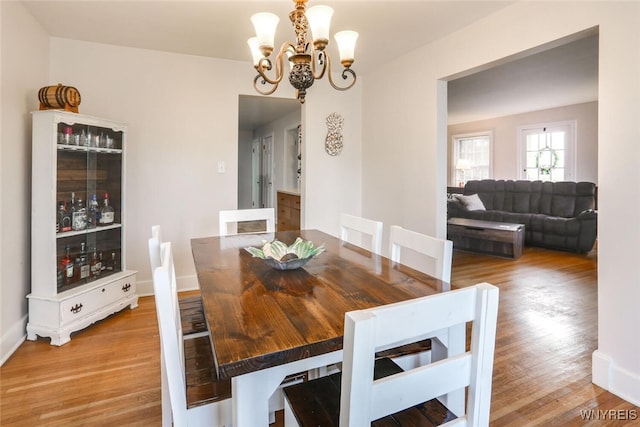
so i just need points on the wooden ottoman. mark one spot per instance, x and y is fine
(487, 237)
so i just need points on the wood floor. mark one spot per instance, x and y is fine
(109, 374)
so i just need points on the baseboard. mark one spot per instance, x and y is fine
(185, 283)
(12, 339)
(622, 383)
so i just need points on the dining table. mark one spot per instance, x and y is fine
(267, 324)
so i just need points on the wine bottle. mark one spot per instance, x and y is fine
(107, 214)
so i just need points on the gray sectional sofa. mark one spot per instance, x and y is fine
(556, 215)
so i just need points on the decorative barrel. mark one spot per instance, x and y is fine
(59, 97)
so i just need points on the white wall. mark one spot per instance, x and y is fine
(505, 139)
(404, 148)
(331, 185)
(24, 65)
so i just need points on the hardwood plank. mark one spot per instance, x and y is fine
(109, 374)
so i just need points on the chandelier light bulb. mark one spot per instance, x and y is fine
(319, 18)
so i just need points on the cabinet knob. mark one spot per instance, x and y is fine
(126, 287)
(76, 308)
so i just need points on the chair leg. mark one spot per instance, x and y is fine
(167, 418)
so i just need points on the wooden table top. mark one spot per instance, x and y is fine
(260, 317)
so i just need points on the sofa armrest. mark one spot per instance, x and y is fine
(588, 214)
(454, 208)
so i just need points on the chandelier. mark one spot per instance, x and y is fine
(308, 58)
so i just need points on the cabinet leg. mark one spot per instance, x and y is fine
(31, 335)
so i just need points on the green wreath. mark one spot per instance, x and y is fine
(545, 169)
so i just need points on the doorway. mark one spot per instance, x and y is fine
(265, 149)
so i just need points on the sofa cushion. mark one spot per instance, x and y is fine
(471, 202)
(525, 196)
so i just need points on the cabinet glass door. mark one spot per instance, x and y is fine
(89, 197)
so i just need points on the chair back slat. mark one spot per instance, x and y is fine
(439, 250)
(364, 399)
(423, 318)
(364, 226)
(398, 392)
(226, 217)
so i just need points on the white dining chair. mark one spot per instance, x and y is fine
(189, 307)
(227, 217)
(363, 399)
(213, 413)
(365, 228)
(433, 257)
(438, 251)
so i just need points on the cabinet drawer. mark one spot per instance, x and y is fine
(284, 199)
(284, 213)
(87, 303)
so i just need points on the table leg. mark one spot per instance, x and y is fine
(250, 402)
(251, 392)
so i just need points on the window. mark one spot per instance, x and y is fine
(547, 151)
(471, 157)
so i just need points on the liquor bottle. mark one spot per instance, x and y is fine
(66, 266)
(112, 263)
(96, 264)
(64, 218)
(79, 219)
(93, 213)
(59, 216)
(83, 266)
(103, 264)
(107, 214)
(71, 206)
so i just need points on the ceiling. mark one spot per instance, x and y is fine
(558, 76)
(219, 29)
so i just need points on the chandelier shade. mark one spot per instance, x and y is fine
(265, 25)
(346, 46)
(319, 18)
(307, 56)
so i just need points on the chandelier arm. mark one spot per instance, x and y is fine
(323, 59)
(346, 71)
(263, 83)
(265, 65)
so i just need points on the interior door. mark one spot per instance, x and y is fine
(267, 172)
(256, 180)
